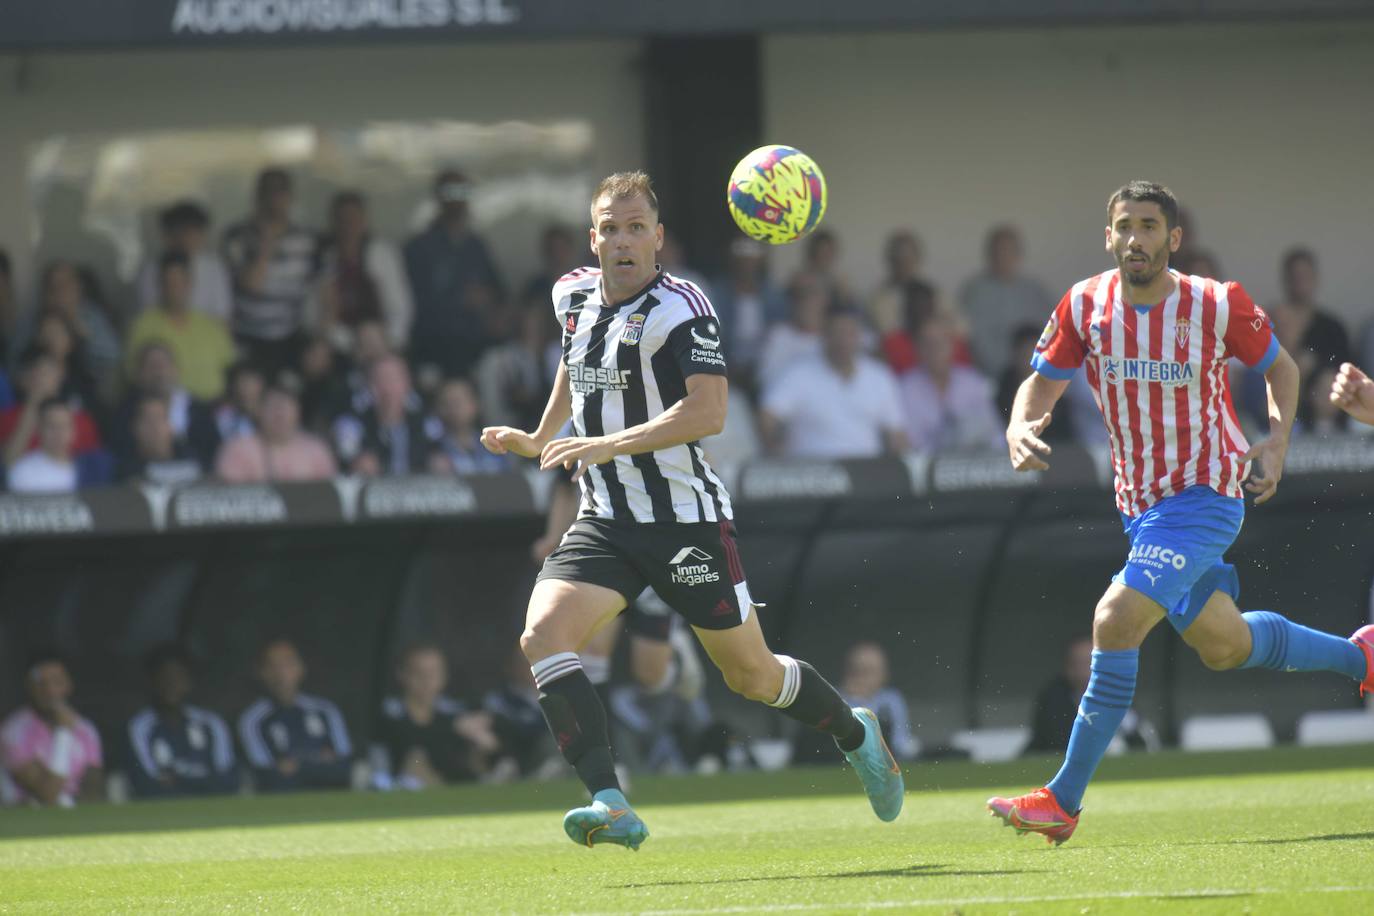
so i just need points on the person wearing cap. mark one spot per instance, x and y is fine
(279, 450)
(454, 281)
(49, 754)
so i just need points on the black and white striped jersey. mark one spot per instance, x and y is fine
(626, 364)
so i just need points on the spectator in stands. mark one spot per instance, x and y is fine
(1197, 263)
(1023, 341)
(1056, 706)
(1000, 298)
(865, 684)
(43, 378)
(71, 291)
(458, 433)
(903, 255)
(821, 259)
(237, 412)
(672, 257)
(748, 304)
(517, 720)
(57, 337)
(325, 389)
(948, 406)
(809, 298)
(54, 466)
(280, 450)
(293, 740)
(842, 404)
(156, 373)
(1316, 338)
(9, 311)
(185, 229)
(559, 253)
(49, 753)
(273, 263)
(362, 277)
(920, 301)
(514, 378)
(454, 281)
(426, 738)
(176, 748)
(199, 342)
(157, 456)
(389, 436)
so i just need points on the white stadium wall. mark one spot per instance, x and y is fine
(47, 95)
(1265, 132)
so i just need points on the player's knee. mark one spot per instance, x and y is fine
(537, 642)
(1113, 628)
(1223, 657)
(752, 680)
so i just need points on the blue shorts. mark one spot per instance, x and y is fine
(1176, 551)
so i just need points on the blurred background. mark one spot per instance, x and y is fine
(269, 265)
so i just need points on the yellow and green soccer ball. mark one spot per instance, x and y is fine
(776, 194)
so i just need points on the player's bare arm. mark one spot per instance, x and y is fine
(1030, 417)
(1282, 381)
(700, 414)
(502, 439)
(1353, 392)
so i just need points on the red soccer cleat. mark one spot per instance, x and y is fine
(1364, 640)
(1036, 812)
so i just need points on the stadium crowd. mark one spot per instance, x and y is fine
(278, 352)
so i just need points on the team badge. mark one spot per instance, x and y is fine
(634, 327)
(1181, 331)
(1047, 335)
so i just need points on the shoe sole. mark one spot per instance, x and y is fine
(1009, 819)
(590, 835)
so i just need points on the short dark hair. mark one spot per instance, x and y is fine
(145, 399)
(32, 355)
(184, 214)
(623, 185)
(164, 654)
(348, 198)
(173, 258)
(1141, 190)
(270, 175)
(279, 639)
(410, 650)
(1296, 254)
(52, 403)
(43, 655)
(843, 310)
(999, 232)
(243, 367)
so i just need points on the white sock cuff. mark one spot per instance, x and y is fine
(550, 669)
(598, 668)
(791, 682)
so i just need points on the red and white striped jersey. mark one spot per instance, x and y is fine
(1159, 376)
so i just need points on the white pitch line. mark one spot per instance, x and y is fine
(1033, 898)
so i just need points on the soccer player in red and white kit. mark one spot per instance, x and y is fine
(1155, 346)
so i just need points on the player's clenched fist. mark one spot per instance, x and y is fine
(502, 439)
(1353, 392)
(1028, 451)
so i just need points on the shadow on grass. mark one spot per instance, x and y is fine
(553, 798)
(1269, 841)
(910, 871)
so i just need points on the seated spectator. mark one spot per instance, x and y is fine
(999, 298)
(293, 740)
(1316, 338)
(887, 306)
(56, 337)
(9, 310)
(458, 434)
(1056, 706)
(55, 467)
(424, 737)
(362, 277)
(237, 412)
(748, 304)
(388, 437)
(72, 291)
(842, 404)
(186, 229)
(325, 391)
(280, 450)
(157, 374)
(454, 281)
(199, 342)
(42, 378)
(799, 338)
(514, 378)
(920, 301)
(49, 753)
(821, 259)
(176, 748)
(157, 456)
(517, 719)
(272, 262)
(865, 684)
(1197, 262)
(947, 406)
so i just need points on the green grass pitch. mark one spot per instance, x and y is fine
(1286, 831)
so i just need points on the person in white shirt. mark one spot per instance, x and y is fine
(947, 406)
(51, 468)
(841, 404)
(785, 343)
(186, 228)
(363, 278)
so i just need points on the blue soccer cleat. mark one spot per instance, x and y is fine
(874, 763)
(608, 819)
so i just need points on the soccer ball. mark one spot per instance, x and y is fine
(776, 194)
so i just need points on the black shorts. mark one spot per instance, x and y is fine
(694, 568)
(649, 617)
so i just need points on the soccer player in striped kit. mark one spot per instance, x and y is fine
(643, 380)
(1155, 346)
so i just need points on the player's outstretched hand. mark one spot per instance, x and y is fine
(1268, 456)
(502, 439)
(576, 451)
(1027, 450)
(1353, 392)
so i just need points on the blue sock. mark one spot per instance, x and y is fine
(1283, 645)
(613, 798)
(1110, 691)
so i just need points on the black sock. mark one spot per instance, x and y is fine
(809, 698)
(577, 719)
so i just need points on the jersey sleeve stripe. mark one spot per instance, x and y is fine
(1270, 354)
(708, 310)
(694, 297)
(1050, 370)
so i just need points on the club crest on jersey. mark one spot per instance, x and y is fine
(1181, 330)
(1047, 335)
(634, 327)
